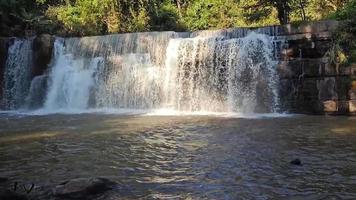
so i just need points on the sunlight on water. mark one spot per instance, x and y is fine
(172, 112)
(146, 112)
(28, 137)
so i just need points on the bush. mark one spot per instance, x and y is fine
(347, 12)
(206, 14)
(167, 18)
(345, 36)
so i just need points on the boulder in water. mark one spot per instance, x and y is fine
(296, 162)
(83, 188)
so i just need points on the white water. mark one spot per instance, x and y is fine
(17, 76)
(70, 80)
(204, 72)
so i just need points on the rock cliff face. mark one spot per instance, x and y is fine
(310, 81)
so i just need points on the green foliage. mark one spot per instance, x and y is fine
(84, 17)
(93, 17)
(346, 12)
(206, 14)
(345, 36)
(19, 16)
(257, 13)
(167, 18)
(139, 21)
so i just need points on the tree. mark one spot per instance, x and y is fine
(168, 17)
(206, 14)
(93, 17)
(283, 8)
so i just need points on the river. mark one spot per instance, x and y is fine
(185, 157)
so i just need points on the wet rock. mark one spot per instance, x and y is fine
(327, 89)
(352, 106)
(330, 106)
(3, 56)
(312, 27)
(83, 188)
(296, 162)
(42, 53)
(352, 92)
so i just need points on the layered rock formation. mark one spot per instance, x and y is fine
(311, 82)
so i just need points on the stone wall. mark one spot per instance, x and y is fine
(309, 81)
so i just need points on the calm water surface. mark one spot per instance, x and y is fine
(186, 157)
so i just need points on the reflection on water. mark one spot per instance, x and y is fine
(194, 157)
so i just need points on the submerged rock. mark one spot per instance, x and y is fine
(83, 188)
(296, 162)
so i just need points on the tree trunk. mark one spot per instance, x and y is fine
(283, 12)
(179, 6)
(301, 4)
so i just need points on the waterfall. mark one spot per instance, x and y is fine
(71, 80)
(37, 92)
(220, 74)
(230, 70)
(17, 75)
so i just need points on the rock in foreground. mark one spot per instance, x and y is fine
(296, 162)
(83, 188)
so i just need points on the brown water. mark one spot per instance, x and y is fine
(190, 157)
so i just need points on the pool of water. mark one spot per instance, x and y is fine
(185, 157)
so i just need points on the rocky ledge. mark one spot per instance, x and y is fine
(310, 81)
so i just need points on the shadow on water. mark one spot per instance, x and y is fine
(185, 157)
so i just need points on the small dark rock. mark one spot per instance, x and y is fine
(296, 162)
(83, 188)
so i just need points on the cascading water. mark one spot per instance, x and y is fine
(219, 74)
(70, 80)
(37, 92)
(17, 76)
(215, 71)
